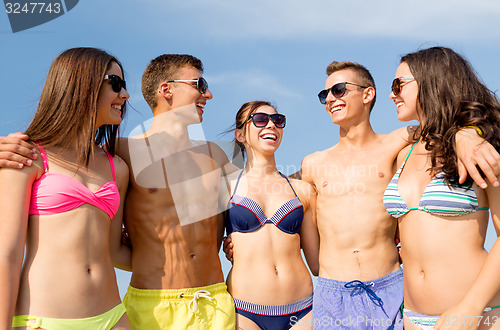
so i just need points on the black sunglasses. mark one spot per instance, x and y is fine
(338, 90)
(260, 119)
(396, 85)
(117, 83)
(201, 84)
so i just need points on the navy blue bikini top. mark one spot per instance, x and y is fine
(245, 215)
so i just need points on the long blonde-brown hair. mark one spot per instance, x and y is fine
(67, 111)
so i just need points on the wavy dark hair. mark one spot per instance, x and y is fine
(67, 110)
(450, 97)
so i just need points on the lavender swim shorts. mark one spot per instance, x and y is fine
(359, 305)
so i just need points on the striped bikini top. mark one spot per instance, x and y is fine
(246, 215)
(438, 198)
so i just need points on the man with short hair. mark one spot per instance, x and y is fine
(173, 226)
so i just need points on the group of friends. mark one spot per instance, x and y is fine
(429, 187)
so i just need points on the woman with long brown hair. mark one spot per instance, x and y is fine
(450, 280)
(63, 215)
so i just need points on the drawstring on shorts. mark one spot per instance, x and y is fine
(356, 284)
(193, 304)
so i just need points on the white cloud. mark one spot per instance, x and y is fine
(333, 21)
(253, 80)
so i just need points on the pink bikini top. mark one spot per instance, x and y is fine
(55, 193)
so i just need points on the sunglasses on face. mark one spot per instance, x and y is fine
(337, 90)
(396, 85)
(117, 83)
(260, 119)
(201, 84)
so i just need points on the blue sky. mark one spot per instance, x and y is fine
(274, 50)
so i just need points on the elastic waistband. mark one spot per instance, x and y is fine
(105, 320)
(379, 283)
(421, 320)
(276, 310)
(410, 313)
(174, 293)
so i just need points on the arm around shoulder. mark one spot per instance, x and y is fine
(306, 171)
(120, 252)
(488, 277)
(15, 151)
(309, 236)
(473, 150)
(406, 133)
(487, 283)
(403, 136)
(15, 189)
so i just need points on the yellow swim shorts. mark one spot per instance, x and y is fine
(104, 321)
(208, 307)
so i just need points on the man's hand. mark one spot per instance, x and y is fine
(398, 246)
(228, 248)
(15, 152)
(473, 150)
(125, 239)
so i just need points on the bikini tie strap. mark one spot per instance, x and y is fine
(37, 324)
(193, 304)
(490, 308)
(367, 287)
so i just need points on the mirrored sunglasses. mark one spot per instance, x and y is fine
(201, 84)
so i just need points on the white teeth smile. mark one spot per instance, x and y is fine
(269, 136)
(200, 105)
(337, 108)
(117, 107)
(398, 104)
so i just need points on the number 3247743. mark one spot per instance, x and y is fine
(471, 320)
(32, 8)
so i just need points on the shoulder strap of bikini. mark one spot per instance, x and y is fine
(289, 183)
(410, 151)
(237, 182)
(112, 163)
(44, 156)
